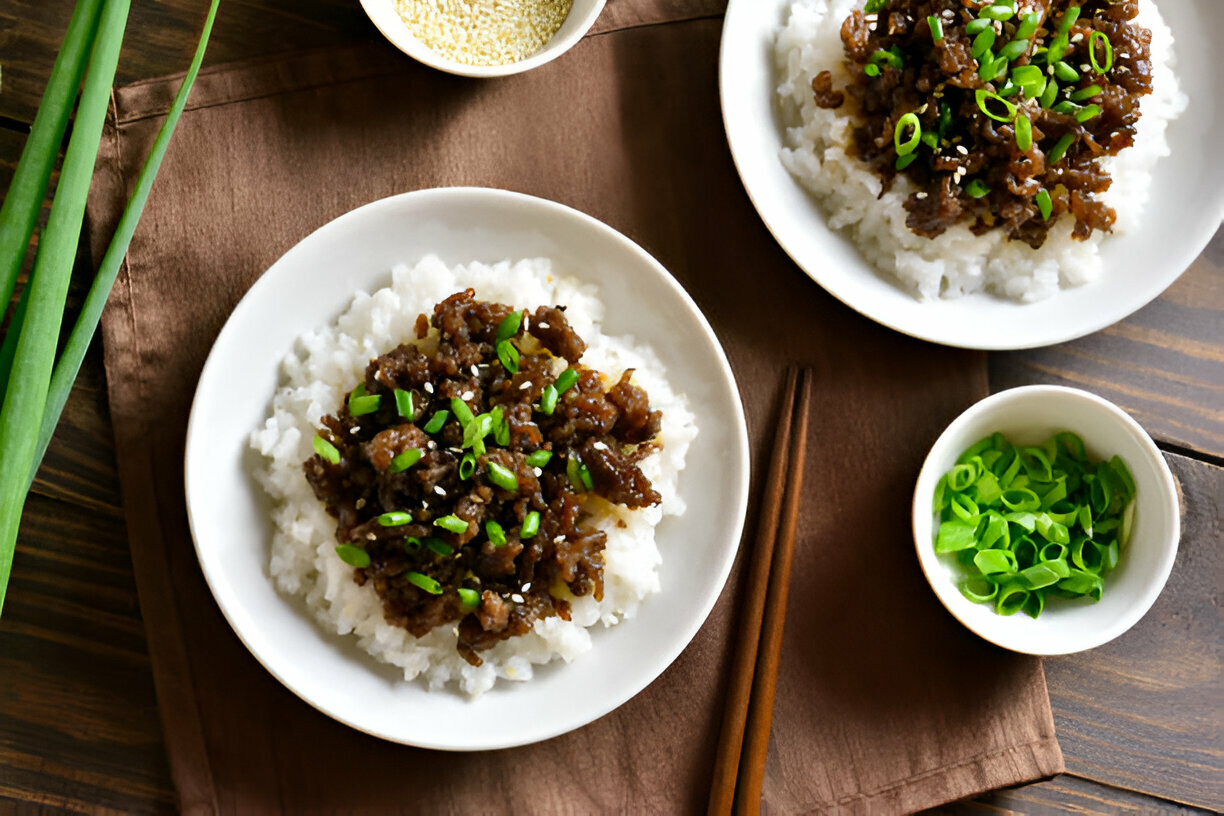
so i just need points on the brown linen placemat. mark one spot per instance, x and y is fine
(884, 701)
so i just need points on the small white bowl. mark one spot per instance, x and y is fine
(1030, 415)
(384, 15)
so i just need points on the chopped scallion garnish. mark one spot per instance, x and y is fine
(871, 70)
(1024, 133)
(508, 355)
(977, 26)
(1014, 49)
(539, 458)
(548, 399)
(467, 466)
(905, 161)
(976, 189)
(495, 533)
(531, 525)
(1065, 72)
(451, 523)
(353, 556)
(403, 403)
(890, 57)
(424, 582)
(982, 43)
(906, 145)
(412, 543)
(936, 28)
(395, 518)
(985, 98)
(365, 404)
(461, 411)
(501, 427)
(1042, 199)
(327, 450)
(1085, 93)
(509, 326)
(1093, 39)
(1049, 94)
(1028, 26)
(1060, 147)
(436, 422)
(566, 380)
(1087, 112)
(502, 477)
(469, 598)
(439, 546)
(405, 460)
(997, 12)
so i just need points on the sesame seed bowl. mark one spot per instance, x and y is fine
(503, 39)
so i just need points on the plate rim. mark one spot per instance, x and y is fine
(736, 425)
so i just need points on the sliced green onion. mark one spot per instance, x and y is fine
(930, 139)
(1060, 147)
(548, 399)
(461, 411)
(1065, 72)
(508, 356)
(495, 533)
(475, 432)
(326, 450)
(1028, 26)
(566, 380)
(353, 556)
(983, 97)
(1024, 133)
(905, 161)
(436, 422)
(1014, 49)
(451, 523)
(1087, 112)
(395, 518)
(982, 43)
(1065, 106)
(577, 473)
(997, 12)
(1033, 90)
(978, 590)
(531, 525)
(977, 26)
(1085, 93)
(424, 582)
(412, 544)
(403, 403)
(1058, 47)
(502, 477)
(945, 118)
(976, 189)
(438, 546)
(1011, 599)
(539, 458)
(991, 70)
(907, 122)
(467, 466)
(936, 28)
(1042, 199)
(892, 57)
(509, 327)
(405, 460)
(366, 404)
(469, 598)
(1026, 74)
(1069, 17)
(1049, 94)
(1009, 90)
(871, 69)
(1099, 36)
(874, 6)
(585, 474)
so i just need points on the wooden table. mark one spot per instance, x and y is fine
(1139, 720)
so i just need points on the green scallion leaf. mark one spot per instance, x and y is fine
(1086, 93)
(997, 12)
(976, 189)
(436, 422)
(451, 523)
(936, 27)
(1060, 148)
(871, 70)
(1065, 72)
(1087, 112)
(467, 466)
(539, 458)
(461, 411)
(1024, 133)
(501, 427)
(1069, 17)
(326, 450)
(531, 525)
(1028, 26)
(495, 533)
(395, 518)
(987, 99)
(1044, 204)
(548, 399)
(468, 598)
(905, 161)
(1014, 49)
(403, 403)
(412, 544)
(424, 582)
(977, 26)
(502, 477)
(438, 546)
(566, 380)
(907, 144)
(508, 356)
(353, 556)
(365, 404)
(1098, 37)
(1049, 94)
(982, 43)
(891, 57)
(405, 460)
(509, 327)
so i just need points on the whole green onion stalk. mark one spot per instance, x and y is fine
(39, 385)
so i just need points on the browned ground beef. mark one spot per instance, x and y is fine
(598, 432)
(941, 78)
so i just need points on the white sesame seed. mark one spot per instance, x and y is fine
(440, 490)
(920, 195)
(1079, 35)
(961, 149)
(360, 504)
(597, 445)
(517, 598)
(354, 429)
(544, 325)
(559, 539)
(1085, 67)
(527, 587)
(429, 389)
(467, 395)
(432, 445)
(1123, 55)
(475, 371)
(524, 385)
(371, 536)
(538, 472)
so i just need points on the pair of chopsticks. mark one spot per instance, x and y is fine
(739, 768)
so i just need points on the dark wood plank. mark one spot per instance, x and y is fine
(31, 31)
(78, 717)
(1143, 712)
(1164, 364)
(1066, 794)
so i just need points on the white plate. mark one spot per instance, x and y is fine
(1185, 209)
(309, 287)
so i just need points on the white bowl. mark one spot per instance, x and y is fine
(316, 280)
(1030, 415)
(385, 17)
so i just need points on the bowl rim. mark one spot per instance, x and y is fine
(1167, 498)
(399, 36)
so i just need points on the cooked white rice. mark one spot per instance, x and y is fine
(956, 262)
(326, 363)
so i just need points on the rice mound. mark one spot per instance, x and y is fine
(956, 262)
(327, 362)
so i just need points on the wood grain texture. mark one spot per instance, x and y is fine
(1164, 364)
(1066, 794)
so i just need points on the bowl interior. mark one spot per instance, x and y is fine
(1030, 415)
(386, 18)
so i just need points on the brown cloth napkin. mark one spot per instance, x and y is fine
(885, 703)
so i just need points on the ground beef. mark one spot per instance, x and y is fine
(938, 81)
(596, 435)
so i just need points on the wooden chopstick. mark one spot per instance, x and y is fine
(765, 602)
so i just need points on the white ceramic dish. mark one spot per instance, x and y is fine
(1030, 415)
(308, 287)
(385, 17)
(1185, 209)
